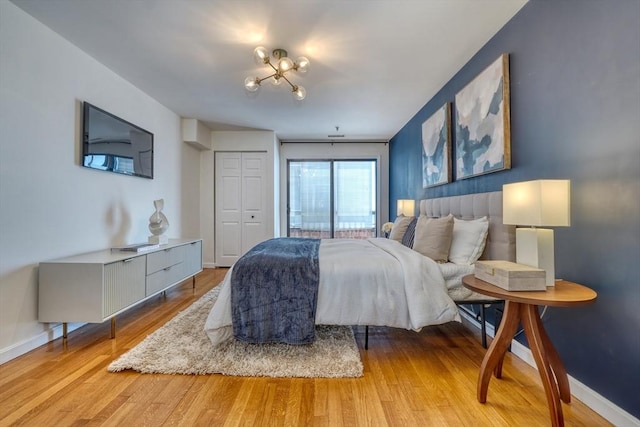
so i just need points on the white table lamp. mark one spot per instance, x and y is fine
(543, 202)
(406, 207)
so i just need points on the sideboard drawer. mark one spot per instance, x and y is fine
(164, 278)
(164, 258)
(124, 285)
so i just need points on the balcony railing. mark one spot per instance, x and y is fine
(343, 231)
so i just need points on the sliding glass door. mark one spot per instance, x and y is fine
(332, 198)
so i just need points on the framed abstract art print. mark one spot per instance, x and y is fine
(483, 129)
(436, 148)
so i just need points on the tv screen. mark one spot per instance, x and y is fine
(115, 145)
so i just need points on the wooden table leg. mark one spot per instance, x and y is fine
(556, 363)
(492, 362)
(534, 330)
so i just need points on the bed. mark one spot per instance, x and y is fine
(500, 244)
(383, 282)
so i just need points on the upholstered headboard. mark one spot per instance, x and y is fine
(501, 241)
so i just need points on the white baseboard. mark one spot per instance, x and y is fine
(23, 347)
(599, 404)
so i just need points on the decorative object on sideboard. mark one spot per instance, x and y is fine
(537, 203)
(406, 207)
(436, 148)
(283, 64)
(158, 224)
(483, 130)
(136, 247)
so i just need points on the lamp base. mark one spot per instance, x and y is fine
(534, 247)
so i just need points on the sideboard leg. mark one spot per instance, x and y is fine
(64, 332)
(113, 327)
(366, 337)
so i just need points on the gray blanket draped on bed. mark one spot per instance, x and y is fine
(274, 292)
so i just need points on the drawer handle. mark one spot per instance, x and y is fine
(167, 250)
(168, 268)
(127, 260)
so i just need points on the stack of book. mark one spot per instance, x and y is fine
(136, 247)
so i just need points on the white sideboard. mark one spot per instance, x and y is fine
(96, 286)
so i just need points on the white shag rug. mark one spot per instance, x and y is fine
(181, 346)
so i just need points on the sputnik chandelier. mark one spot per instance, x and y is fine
(283, 64)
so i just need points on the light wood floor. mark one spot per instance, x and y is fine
(410, 379)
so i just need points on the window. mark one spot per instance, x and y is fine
(332, 198)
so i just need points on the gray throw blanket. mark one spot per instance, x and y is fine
(274, 292)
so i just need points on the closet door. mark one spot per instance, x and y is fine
(228, 215)
(254, 199)
(240, 197)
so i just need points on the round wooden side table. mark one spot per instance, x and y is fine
(522, 306)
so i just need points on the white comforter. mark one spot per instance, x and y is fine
(364, 282)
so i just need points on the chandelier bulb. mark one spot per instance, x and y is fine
(275, 80)
(252, 84)
(302, 64)
(260, 55)
(299, 93)
(285, 64)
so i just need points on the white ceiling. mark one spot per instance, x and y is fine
(374, 63)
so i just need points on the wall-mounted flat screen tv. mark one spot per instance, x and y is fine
(115, 145)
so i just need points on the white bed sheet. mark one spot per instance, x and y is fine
(453, 274)
(376, 282)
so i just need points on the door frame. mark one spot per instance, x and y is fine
(378, 150)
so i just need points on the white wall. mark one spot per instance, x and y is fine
(50, 206)
(342, 150)
(265, 141)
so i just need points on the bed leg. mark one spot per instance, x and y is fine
(366, 337)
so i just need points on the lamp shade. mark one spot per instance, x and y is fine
(544, 202)
(406, 207)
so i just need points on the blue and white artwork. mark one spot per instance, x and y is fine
(482, 122)
(436, 148)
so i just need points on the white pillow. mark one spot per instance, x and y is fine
(469, 238)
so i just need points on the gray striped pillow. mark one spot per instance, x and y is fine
(410, 234)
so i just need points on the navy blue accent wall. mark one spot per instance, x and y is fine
(575, 114)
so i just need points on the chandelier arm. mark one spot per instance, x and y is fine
(260, 80)
(287, 80)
